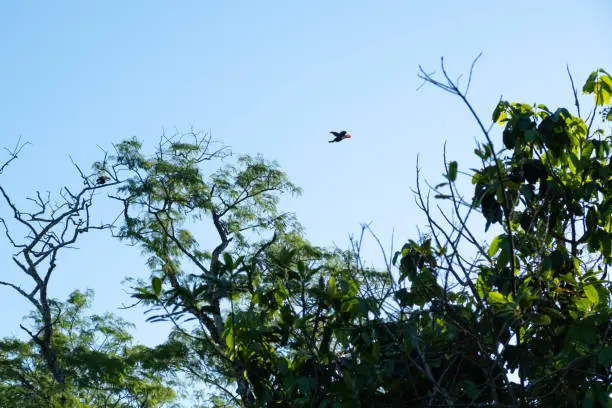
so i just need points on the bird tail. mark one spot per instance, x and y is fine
(331, 141)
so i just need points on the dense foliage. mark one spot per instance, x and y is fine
(517, 315)
(102, 366)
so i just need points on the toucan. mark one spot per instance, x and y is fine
(102, 179)
(339, 136)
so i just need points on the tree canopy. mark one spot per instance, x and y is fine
(503, 300)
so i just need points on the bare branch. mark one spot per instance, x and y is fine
(13, 153)
(576, 102)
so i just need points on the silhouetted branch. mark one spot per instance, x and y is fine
(49, 227)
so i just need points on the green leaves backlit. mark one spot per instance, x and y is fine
(599, 84)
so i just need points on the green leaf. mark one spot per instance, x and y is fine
(283, 365)
(156, 283)
(589, 400)
(591, 293)
(603, 90)
(395, 256)
(509, 137)
(599, 83)
(583, 304)
(348, 380)
(588, 150)
(605, 356)
(589, 85)
(501, 244)
(471, 390)
(530, 135)
(404, 297)
(496, 297)
(229, 339)
(482, 287)
(376, 350)
(542, 319)
(331, 287)
(305, 384)
(495, 245)
(533, 170)
(583, 334)
(499, 114)
(452, 171)
(591, 219)
(229, 263)
(491, 210)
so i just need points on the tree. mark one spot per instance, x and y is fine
(48, 229)
(443, 324)
(70, 360)
(516, 316)
(239, 202)
(101, 366)
(536, 299)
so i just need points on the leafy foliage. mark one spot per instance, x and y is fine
(539, 298)
(443, 324)
(516, 316)
(102, 367)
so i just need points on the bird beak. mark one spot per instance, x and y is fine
(348, 136)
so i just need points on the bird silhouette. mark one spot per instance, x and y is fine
(102, 179)
(339, 136)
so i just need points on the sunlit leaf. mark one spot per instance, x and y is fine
(591, 293)
(496, 297)
(156, 283)
(495, 244)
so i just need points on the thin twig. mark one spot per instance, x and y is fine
(576, 102)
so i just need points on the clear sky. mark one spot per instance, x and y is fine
(271, 77)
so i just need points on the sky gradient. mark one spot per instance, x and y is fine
(271, 78)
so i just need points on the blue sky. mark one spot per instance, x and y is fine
(271, 77)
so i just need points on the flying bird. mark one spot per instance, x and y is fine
(339, 136)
